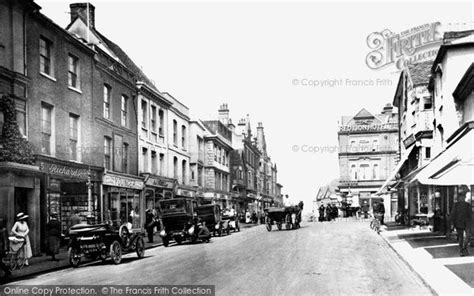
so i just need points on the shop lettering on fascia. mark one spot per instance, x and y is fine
(121, 181)
(69, 187)
(367, 127)
(123, 200)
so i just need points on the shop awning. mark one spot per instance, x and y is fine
(453, 166)
(396, 170)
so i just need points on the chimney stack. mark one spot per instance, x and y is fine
(81, 10)
(224, 114)
(387, 109)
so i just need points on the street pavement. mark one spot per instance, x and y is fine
(334, 258)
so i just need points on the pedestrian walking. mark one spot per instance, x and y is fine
(381, 211)
(150, 224)
(3, 247)
(247, 216)
(461, 217)
(20, 229)
(53, 233)
(321, 213)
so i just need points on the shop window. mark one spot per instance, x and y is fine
(124, 207)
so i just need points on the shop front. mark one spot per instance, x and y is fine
(20, 192)
(123, 200)
(185, 191)
(66, 188)
(156, 189)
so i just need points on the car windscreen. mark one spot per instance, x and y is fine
(176, 205)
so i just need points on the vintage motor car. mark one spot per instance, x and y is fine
(231, 220)
(211, 215)
(102, 241)
(290, 216)
(178, 220)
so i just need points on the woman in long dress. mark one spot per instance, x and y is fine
(21, 229)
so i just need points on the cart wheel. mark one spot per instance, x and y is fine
(279, 226)
(20, 258)
(166, 241)
(12, 262)
(140, 247)
(74, 257)
(116, 252)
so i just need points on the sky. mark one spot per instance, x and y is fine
(260, 57)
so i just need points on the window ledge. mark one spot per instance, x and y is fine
(75, 89)
(47, 76)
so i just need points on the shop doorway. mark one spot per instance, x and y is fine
(21, 200)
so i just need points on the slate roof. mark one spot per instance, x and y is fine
(420, 72)
(128, 62)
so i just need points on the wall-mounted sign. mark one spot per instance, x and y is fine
(157, 182)
(368, 127)
(121, 181)
(66, 171)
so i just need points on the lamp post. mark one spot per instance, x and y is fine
(89, 193)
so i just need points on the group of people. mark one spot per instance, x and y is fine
(328, 212)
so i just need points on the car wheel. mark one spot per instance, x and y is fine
(140, 247)
(116, 252)
(269, 226)
(279, 226)
(166, 241)
(74, 257)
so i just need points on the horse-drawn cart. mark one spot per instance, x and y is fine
(290, 216)
(102, 241)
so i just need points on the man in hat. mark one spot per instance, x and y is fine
(150, 224)
(461, 217)
(53, 233)
(3, 247)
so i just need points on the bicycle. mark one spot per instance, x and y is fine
(15, 258)
(375, 223)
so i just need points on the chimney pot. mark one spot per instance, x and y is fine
(80, 10)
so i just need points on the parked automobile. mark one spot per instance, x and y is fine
(211, 214)
(178, 220)
(102, 241)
